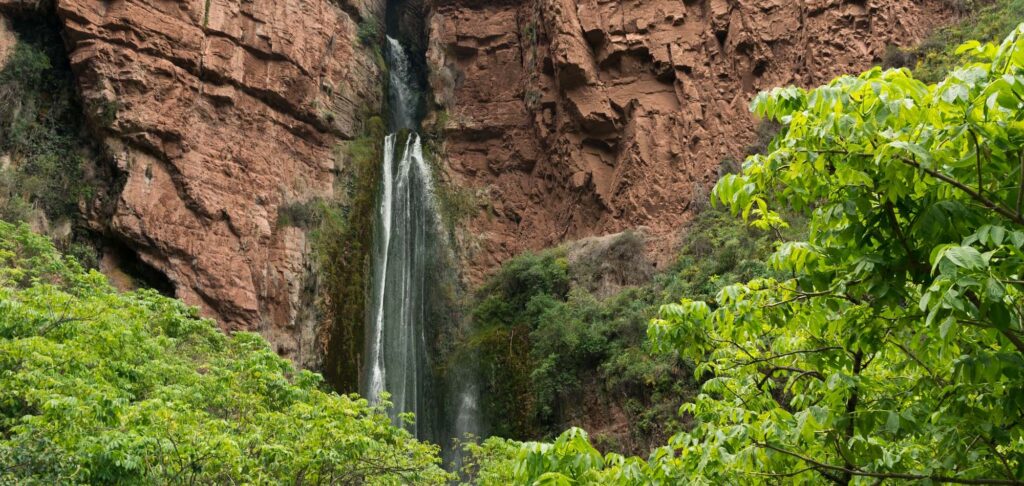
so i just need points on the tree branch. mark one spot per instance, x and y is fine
(880, 475)
(851, 406)
(783, 355)
(1020, 187)
(989, 204)
(918, 265)
(912, 356)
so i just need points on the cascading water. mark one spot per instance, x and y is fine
(398, 347)
(407, 279)
(403, 96)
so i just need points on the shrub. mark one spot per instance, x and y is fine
(40, 128)
(42, 133)
(765, 131)
(369, 31)
(897, 57)
(985, 20)
(306, 214)
(102, 387)
(548, 342)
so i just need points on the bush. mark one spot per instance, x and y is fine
(897, 57)
(41, 130)
(369, 31)
(766, 130)
(550, 345)
(43, 138)
(306, 214)
(984, 20)
(102, 387)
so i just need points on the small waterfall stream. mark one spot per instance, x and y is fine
(407, 278)
(397, 351)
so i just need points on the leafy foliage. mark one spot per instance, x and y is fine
(489, 462)
(891, 346)
(101, 387)
(984, 20)
(369, 31)
(552, 343)
(41, 130)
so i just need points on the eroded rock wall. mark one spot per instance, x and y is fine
(217, 113)
(573, 118)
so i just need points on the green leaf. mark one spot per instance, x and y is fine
(965, 257)
(945, 326)
(892, 422)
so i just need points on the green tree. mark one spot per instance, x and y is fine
(102, 387)
(892, 348)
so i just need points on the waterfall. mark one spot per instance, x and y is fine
(398, 343)
(403, 96)
(397, 360)
(406, 311)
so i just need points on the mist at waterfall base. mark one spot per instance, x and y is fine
(410, 306)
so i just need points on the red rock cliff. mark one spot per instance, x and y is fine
(569, 118)
(217, 113)
(577, 118)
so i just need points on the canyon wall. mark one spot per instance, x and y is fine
(563, 118)
(215, 115)
(571, 118)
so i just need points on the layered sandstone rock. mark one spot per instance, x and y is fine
(217, 113)
(574, 118)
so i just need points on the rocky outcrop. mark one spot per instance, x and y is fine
(218, 113)
(574, 118)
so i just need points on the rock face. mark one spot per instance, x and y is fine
(569, 118)
(574, 118)
(218, 113)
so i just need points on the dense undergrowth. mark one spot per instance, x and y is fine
(554, 352)
(103, 387)
(889, 345)
(43, 143)
(983, 20)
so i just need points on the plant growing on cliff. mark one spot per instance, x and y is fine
(369, 31)
(102, 387)
(552, 341)
(342, 242)
(40, 130)
(44, 149)
(892, 346)
(985, 20)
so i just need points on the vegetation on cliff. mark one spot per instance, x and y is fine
(890, 344)
(343, 243)
(983, 20)
(553, 350)
(43, 145)
(854, 315)
(102, 387)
